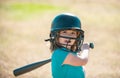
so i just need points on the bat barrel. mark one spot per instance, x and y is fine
(29, 67)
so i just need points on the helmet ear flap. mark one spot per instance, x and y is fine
(53, 35)
(53, 39)
(82, 37)
(80, 41)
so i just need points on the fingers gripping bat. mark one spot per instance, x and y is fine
(30, 67)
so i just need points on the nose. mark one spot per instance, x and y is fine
(68, 41)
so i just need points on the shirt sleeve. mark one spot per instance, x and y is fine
(59, 56)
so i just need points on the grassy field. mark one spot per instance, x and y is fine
(25, 25)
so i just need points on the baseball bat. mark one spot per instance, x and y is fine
(30, 67)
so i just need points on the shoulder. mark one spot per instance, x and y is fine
(59, 55)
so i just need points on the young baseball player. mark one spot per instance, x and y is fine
(69, 54)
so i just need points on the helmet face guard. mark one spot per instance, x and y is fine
(66, 22)
(79, 40)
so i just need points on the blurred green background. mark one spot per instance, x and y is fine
(24, 24)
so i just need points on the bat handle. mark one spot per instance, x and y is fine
(91, 45)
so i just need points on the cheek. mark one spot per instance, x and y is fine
(61, 40)
(72, 41)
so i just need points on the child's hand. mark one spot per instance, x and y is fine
(85, 46)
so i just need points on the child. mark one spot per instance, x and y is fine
(69, 54)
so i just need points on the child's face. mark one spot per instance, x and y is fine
(67, 41)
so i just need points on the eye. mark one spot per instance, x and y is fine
(63, 32)
(73, 33)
